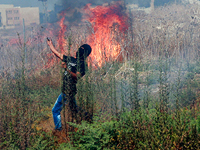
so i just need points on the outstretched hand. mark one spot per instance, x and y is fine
(49, 42)
(53, 49)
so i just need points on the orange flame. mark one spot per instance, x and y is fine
(104, 19)
(61, 36)
(60, 42)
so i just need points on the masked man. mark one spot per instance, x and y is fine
(74, 69)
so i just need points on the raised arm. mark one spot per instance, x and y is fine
(53, 49)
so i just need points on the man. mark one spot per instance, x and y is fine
(74, 69)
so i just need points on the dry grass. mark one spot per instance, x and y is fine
(171, 30)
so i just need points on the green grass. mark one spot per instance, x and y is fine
(148, 127)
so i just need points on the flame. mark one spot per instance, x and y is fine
(105, 21)
(60, 42)
(61, 37)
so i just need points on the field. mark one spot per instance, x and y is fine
(143, 92)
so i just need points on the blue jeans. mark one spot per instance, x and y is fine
(57, 109)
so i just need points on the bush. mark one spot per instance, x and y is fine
(93, 136)
(139, 130)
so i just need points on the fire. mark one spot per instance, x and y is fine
(61, 36)
(60, 42)
(105, 21)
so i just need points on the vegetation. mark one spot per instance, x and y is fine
(148, 101)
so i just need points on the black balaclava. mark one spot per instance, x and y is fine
(83, 52)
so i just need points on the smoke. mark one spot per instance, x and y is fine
(72, 9)
(71, 4)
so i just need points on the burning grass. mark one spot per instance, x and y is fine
(147, 101)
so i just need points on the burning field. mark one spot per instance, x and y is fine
(142, 82)
(104, 25)
(122, 39)
(114, 32)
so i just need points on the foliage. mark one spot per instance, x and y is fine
(20, 110)
(39, 140)
(92, 136)
(139, 130)
(42, 141)
(150, 101)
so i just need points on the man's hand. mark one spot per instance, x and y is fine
(49, 42)
(53, 49)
